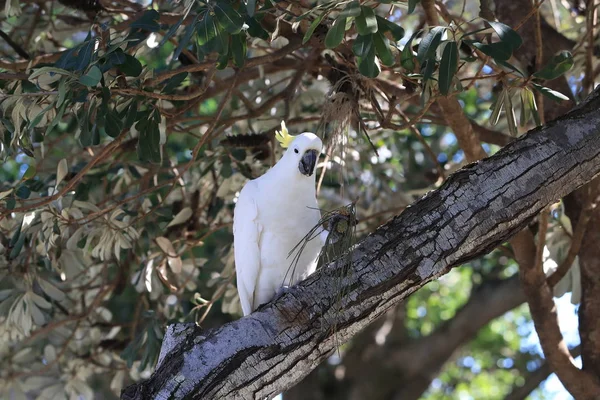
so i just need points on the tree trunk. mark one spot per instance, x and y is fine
(477, 208)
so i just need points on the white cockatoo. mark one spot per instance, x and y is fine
(273, 214)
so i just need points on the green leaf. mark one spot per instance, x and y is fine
(207, 32)
(131, 66)
(114, 124)
(173, 83)
(497, 107)
(411, 5)
(558, 65)
(351, 10)
(367, 65)
(551, 94)
(533, 107)
(255, 29)
(62, 92)
(67, 61)
(15, 237)
(429, 44)
(407, 57)
(239, 49)
(36, 120)
(498, 51)
(222, 61)
(525, 93)
(147, 22)
(92, 77)
(89, 134)
(511, 119)
(149, 141)
(23, 192)
(366, 22)
(428, 68)
(131, 114)
(172, 31)
(311, 28)
(507, 34)
(11, 202)
(509, 66)
(30, 173)
(57, 118)
(16, 250)
(382, 49)
(228, 18)
(250, 7)
(85, 53)
(336, 34)
(50, 70)
(187, 35)
(388, 26)
(448, 66)
(362, 45)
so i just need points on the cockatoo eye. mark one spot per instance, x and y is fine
(296, 151)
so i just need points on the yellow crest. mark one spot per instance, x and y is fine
(283, 137)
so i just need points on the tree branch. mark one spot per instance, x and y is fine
(417, 362)
(580, 384)
(535, 378)
(477, 208)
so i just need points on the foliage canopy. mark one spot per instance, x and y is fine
(127, 130)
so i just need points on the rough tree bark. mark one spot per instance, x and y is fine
(477, 208)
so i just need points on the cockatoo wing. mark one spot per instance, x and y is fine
(246, 245)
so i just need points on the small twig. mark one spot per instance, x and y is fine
(18, 49)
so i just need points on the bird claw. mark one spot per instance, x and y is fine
(282, 290)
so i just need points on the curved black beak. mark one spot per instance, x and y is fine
(308, 162)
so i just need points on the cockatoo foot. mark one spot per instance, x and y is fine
(282, 290)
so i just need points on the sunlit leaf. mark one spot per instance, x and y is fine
(551, 94)
(557, 66)
(507, 35)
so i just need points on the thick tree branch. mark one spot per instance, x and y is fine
(533, 379)
(416, 363)
(477, 208)
(580, 384)
(589, 261)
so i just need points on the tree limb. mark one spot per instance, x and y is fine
(533, 379)
(580, 384)
(477, 208)
(417, 362)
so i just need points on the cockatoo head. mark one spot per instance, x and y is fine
(302, 150)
